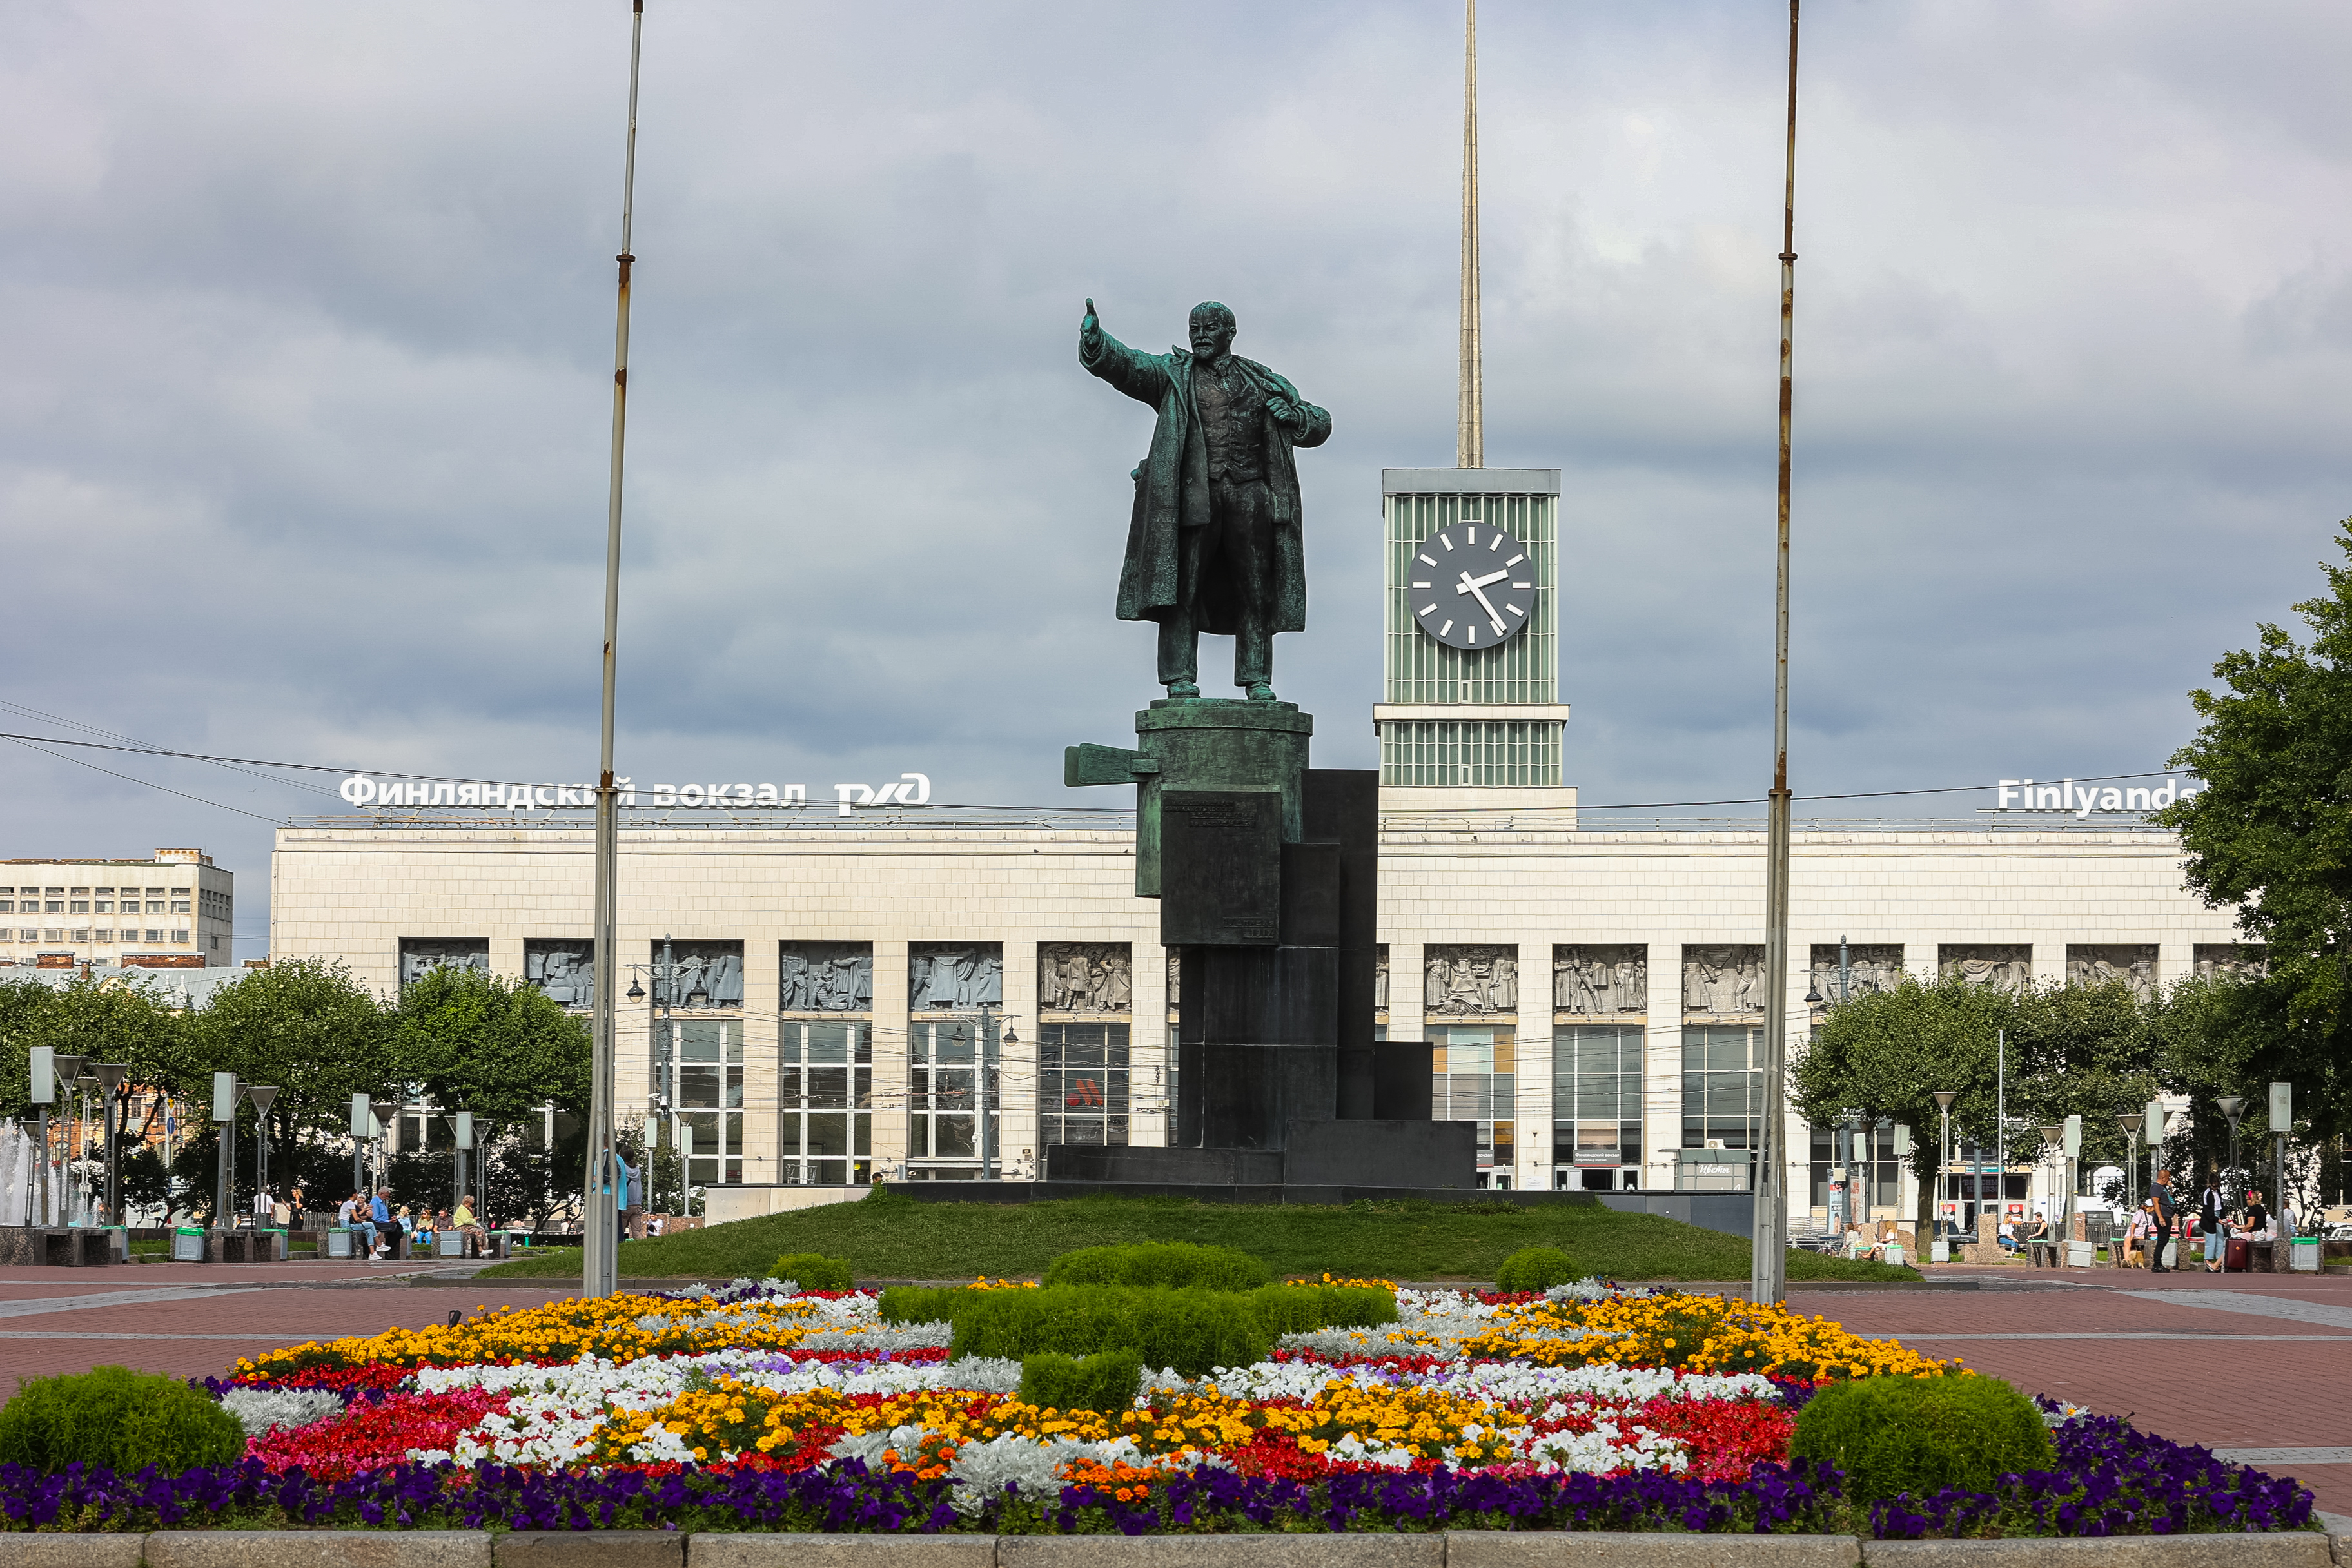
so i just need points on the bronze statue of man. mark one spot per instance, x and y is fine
(1213, 544)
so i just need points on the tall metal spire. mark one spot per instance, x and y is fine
(1470, 412)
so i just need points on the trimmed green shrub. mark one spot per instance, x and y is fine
(813, 1271)
(1918, 1435)
(1189, 1330)
(1105, 1382)
(1301, 1309)
(922, 1303)
(122, 1419)
(1173, 1265)
(1534, 1269)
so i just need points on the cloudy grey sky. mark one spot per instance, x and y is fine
(307, 314)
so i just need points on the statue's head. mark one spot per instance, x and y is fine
(1213, 329)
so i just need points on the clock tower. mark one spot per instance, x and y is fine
(1471, 718)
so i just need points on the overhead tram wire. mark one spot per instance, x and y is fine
(149, 745)
(36, 741)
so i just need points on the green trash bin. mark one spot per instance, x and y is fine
(187, 1244)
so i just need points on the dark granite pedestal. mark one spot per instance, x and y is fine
(1266, 871)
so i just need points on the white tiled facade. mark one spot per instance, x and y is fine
(355, 889)
(176, 907)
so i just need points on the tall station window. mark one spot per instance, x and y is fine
(1723, 1099)
(1596, 1106)
(825, 1104)
(1474, 1078)
(700, 1077)
(1082, 1083)
(943, 1100)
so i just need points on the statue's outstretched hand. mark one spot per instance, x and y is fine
(1091, 328)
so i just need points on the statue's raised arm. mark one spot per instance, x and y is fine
(1141, 376)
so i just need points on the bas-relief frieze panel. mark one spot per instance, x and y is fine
(2008, 965)
(954, 976)
(1592, 980)
(419, 954)
(563, 968)
(1380, 978)
(1723, 980)
(1870, 967)
(824, 976)
(1469, 979)
(1175, 973)
(2232, 961)
(1084, 977)
(713, 968)
(2104, 964)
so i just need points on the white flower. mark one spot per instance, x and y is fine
(260, 1410)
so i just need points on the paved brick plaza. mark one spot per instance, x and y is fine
(2245, 1362)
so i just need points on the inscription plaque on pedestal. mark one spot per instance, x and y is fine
(1221, 868)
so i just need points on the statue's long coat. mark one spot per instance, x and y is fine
(1171, 489)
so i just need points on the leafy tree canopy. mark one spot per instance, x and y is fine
(489, 1044)
(302, 1024)
(2271, 836)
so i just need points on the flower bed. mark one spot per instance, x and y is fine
(1587, 1408)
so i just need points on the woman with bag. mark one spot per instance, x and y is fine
(2208, 1223)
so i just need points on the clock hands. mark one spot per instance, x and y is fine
(1476, 587)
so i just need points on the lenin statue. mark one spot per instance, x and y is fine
(1213, 542)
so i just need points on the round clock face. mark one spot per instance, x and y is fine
(1470, 585)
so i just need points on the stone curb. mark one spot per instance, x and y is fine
(318, 1549)
(2285, 1548)
(1451, 1549)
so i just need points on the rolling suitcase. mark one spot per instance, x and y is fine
(2237, 1256)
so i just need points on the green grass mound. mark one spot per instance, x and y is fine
(896, 1237)
(811, 1272)
(113, 1416)
(1919, 1435)
(1534, 1269)
(1105, 1382)
(1172, 1264)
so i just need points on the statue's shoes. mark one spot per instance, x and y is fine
(1260, 691)
(1178, 689)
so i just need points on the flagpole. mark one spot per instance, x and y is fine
(600, 1274)
(1769, 1267)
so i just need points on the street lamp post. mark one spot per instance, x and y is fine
(2051, 1153)
(110, 1078)
(261, 1094)
(2281, 1124)
(599, 1274)
(42, 1085)
(224, 1124)
(2129, 1121)
(462, 1136)
(2233, 1107)
(1944, 1097)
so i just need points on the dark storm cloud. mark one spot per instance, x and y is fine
(303, 415)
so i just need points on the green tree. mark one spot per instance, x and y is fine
(307, 1026)
(2053, 1052)
(1883, 1054)
(2270, 836)
(489, 1044)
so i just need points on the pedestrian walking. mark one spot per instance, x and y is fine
(2161, 1206)
(2209, 1222)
